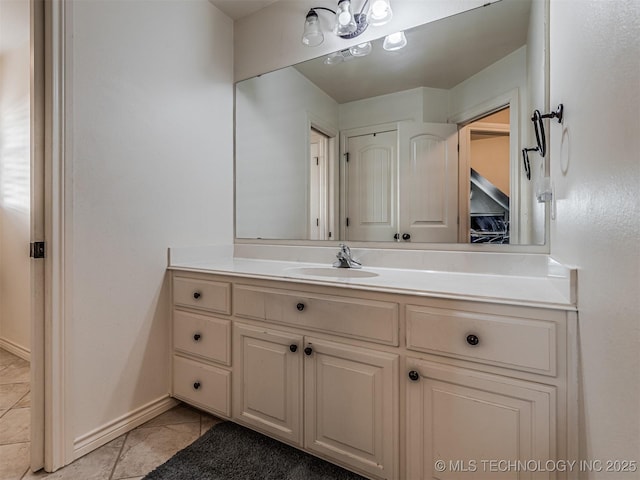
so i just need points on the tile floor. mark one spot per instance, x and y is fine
(130, 456)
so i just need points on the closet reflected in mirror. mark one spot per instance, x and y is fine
(419, 145)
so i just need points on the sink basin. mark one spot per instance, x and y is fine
(332, 272)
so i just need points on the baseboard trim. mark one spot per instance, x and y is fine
(112, 430)
(16, 349)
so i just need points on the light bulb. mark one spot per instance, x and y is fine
(361, 50)
(395, 41)
(380, 12)
(334, 59)
(312, 36)
(345, 23)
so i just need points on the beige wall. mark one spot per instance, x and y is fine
(490, 158)
(595, 164)
(15, 177)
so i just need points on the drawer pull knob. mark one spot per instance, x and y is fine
(300, 307)
(197, 337)
(196, 385)
(197, 295)
(414, 376)
(293, 347)
(308, 351)
(406, 236)
(473, 340)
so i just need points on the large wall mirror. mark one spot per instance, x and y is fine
(418, 145)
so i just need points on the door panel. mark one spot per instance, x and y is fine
(371, 204)
(428, 181)
(318, 187)
(350, 406)
(462, 417)
(268, 385)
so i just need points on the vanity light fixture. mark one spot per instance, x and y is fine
(361, 50)
(395, 41)
(334, 58)
(347, 24)
(348, 54)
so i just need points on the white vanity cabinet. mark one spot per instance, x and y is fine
(201, 343)
(327, 395)
(343, 397)
(489, 390)
(389, 385)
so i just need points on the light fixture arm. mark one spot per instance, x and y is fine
(323, 8)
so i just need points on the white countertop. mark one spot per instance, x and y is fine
(550, 290)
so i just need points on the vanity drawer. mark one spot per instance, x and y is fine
(512, 342)
(365, 319)
(202, 385)
(201, 335)
(202, 294)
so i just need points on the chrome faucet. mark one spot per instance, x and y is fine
(344, 258)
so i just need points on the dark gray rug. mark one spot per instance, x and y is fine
(231, 452)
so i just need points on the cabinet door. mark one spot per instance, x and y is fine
(351, 406)
(268, 381)
(458, 421)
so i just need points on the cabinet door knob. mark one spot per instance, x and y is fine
(414, 376)
(196, 385)
(300, 306)
(197, 337)
(473, 340)
(308, 351)
(197, 295)
(293, 347)
(406, 236)
(396, 236)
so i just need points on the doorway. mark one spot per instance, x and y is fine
(22, 215)
(319, 197)
(485, 179)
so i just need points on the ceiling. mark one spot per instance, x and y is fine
(440, 54)
(240, 8)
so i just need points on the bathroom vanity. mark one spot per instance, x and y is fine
(384, 371)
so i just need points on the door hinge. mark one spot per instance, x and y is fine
(317, 222)
(36, 249)
(317, 161)
(347, 221)
(346, 156)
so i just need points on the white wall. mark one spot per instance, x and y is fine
(271, 38)
(418, 104)
(151, 166)
(497, 79)
(15, 176)
(595, 73)
(273, 113)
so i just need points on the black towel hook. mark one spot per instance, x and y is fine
(525, 160)
(538, 126)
